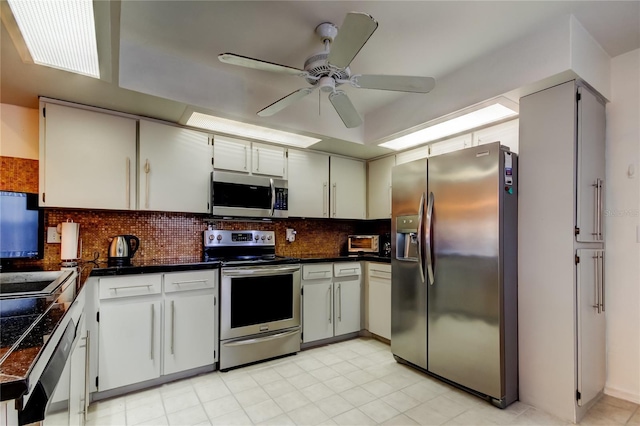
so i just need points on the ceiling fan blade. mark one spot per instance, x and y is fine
(353, 34)
(282, 103)
(243, 61)
(345, 109)
(398, 83)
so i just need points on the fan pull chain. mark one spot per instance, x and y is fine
(319, 101)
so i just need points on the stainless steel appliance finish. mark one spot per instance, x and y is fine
(238, 195)
(363, 244)
(455, 251)
(31, 284)
(122, 248)
(259, 295)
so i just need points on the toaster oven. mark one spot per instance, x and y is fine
(363, 244)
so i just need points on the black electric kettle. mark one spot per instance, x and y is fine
(121, 249)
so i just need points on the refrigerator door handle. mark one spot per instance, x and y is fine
(428, 239)
(420, 237)
(602, 278)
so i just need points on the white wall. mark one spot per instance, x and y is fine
(622, 250)
(18, 132)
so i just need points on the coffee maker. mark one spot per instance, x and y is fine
(385, 245)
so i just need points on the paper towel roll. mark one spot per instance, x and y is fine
(69, 239)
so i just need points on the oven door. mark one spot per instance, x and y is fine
(259, 299)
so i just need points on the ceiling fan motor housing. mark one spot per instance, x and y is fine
(317, 67)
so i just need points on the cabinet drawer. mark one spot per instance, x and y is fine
(133, 285)
(316, 271)
(380, 270)
(192, 280)
(346, 269)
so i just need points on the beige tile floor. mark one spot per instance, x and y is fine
(356, 382)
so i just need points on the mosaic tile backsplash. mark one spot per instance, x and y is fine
(178, 236)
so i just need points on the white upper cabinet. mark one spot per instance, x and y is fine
(308, 184)
(505, 133)
(348, 188)
(87, 159)
(413, 154)
(175, 169)
(249, 157)
(231, 154)
(268, 160)
(379, 187)
(450, 145)
(591, 167)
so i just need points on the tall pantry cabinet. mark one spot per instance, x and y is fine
(561, 287)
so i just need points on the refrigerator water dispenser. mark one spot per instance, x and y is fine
(407, 237)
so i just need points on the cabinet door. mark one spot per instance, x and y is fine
(175, 169)
(129, 347)
(591, 324)
(380, 299)
(78, 375)
(413, 154)
(268, 160)
(591, 151)
(87, 159)
(379, 187)
(505, 133)
(317, 310)
(450, 145)
(347, 306)
(189, 331)
(308, 184)
(231, 154)
(348, 188)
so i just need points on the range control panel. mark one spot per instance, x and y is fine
(224, 238)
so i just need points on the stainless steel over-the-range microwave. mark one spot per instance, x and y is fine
(237, 195)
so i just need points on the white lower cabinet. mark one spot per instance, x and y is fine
(379, 301)
(129, 342)
(330, 304)
(156, 324)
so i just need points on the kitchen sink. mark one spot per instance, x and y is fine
(18, 284)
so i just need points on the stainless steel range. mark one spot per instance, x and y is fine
(260, 297)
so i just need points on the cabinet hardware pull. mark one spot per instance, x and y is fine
(87, 356)
(245, 158)
(153, 313)
(190, 282)
(324, 199)
(147, 169)
(173, 324)
(596, 278)
(600, 206)
(602, 279)
(127, 189)
(329, 296)
(257, 160)
(115, 289)
(339, 302)
(335, 189)
(390, 202)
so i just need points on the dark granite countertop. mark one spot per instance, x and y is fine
(25, 326)
(357, 258)
(153, 266)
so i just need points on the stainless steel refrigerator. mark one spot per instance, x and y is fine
(454, 269)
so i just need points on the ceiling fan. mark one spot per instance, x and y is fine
(329, 68)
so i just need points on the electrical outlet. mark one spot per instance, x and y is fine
(52, 235)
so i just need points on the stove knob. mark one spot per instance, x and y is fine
(219, 237)
(257, 237)
(211, 237)
(269, 237)
(262, 238)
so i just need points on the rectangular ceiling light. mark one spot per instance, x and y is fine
(237, 128)
(468, 121)
(59, 34)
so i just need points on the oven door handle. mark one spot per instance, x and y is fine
(256, 270)
(263, 339)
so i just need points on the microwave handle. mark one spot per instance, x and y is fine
(273, 197)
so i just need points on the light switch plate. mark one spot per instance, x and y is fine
(52, 235)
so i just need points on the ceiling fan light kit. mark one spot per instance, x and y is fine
(329, 68)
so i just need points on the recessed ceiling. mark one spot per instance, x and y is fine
(165, 54)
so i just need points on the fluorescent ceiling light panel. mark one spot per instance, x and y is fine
(237, 128)
(456, 125)
(59, 33)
